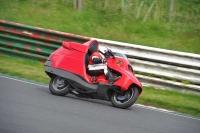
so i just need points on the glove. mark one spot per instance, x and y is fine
(103, 60)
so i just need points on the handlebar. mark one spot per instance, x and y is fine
(108, 54)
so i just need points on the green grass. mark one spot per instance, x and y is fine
(109, 22)
(23, 68)
(183, 103)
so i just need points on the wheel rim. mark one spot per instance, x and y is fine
(125, 97)
(60, 84)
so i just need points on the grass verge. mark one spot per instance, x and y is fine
(171, 100)
(112, 24)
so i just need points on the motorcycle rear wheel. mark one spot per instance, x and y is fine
(125, 100)
(59, 86)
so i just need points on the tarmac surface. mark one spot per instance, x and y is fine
(30, 108)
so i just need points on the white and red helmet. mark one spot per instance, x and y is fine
(103, 49)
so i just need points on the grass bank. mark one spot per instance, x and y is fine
(106, 19)
(171, 100)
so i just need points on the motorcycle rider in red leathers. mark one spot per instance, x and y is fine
(97, 64)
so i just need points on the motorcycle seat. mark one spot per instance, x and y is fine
(92, 48)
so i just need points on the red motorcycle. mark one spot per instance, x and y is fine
(67, 68)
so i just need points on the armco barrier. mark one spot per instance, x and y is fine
(32, 42)
(153, 66)
(161, 68)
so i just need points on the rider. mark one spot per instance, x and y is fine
(97, 63)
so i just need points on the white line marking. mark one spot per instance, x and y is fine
(163, 111)
(135, 105)
(152, 108)
(23, 81)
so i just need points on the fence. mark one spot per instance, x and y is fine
(161, 68)
(32, 42)
(153, 67)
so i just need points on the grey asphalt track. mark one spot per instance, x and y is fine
(29, 108)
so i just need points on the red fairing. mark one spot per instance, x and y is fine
(70, 60)
(76, 46)
(121, 65)
(71, 57)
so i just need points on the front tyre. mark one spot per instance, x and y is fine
(59, 86)
(125, 99)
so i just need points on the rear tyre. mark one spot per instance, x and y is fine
(125, 99)
(59, 86)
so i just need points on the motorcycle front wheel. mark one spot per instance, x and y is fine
(59, 86)
(125, 99)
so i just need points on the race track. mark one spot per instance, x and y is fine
(30, 108)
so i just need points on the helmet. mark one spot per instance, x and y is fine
(103, 50)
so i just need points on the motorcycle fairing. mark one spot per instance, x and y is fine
(101, 89)
(74, 46)
(72, 57)
(127, 79)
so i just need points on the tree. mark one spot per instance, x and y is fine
(171, 10)
(78, 4)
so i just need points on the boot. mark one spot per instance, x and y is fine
(110, 77)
